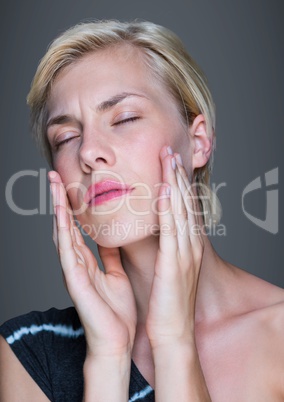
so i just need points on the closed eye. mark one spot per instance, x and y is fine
(57, 145)
(128, 120)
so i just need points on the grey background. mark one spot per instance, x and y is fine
(238, 43)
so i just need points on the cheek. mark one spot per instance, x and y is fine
(60, 167)
(65, 169)
(64, 160)
(75, 195)
(75, 190)
(153, 174)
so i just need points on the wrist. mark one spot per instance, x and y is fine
(107, 350)
(175, 335)
(174, 350)
(120, 362)
(179, 365)
(106, 378)
(166, 343)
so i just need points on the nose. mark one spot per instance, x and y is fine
(96, 152)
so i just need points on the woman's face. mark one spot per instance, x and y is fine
(114, 118)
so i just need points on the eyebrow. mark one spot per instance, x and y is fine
(62, 119)
(114, 100)
(102, 107)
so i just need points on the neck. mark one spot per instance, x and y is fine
(138, 260)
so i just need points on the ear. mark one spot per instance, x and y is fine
(202, 144)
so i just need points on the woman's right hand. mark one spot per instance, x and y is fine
(104, 301)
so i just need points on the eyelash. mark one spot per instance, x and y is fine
(58, 145)
(129, 120)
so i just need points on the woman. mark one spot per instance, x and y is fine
(126, 121)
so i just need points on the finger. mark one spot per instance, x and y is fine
(182, 221)
(111, 260)
(76, 232)
(68, 256)
(60, 198)
(171, 176)
(190, 201)
(79, 265)
(70, 216)
(68, 236)
(54, 231)
(54, 219)
(192, 198)
(63, 235)
(78, 235)
(168, 244)
(73, 258)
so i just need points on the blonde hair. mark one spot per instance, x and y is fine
(167, 59)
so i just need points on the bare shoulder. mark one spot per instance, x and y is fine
(254, 332)
(262, 318)
(268, 328)
(16, 385)
(256, 294)
(269, 318)
(255, 309)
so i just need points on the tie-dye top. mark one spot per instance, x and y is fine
(51, 346)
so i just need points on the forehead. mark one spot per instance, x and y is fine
(104, 73)
(121, 63)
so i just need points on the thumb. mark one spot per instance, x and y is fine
(111, 260)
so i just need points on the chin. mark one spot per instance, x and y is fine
(124, 237)
(121, 230)
(109, 241)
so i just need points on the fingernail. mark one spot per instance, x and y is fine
(51, 175)
(170, 151)
(173, 163)
(178, 158)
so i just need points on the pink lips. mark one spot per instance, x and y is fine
(104, 191)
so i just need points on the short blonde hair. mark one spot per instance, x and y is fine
(167, 59)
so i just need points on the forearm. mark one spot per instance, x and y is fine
(107, 379)
(178, 375)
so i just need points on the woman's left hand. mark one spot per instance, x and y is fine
(171, 313)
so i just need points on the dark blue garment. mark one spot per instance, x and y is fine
(51, 346)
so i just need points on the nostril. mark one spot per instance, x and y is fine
(100, 159)
(95, 149)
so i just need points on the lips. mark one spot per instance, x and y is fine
(105, 190)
